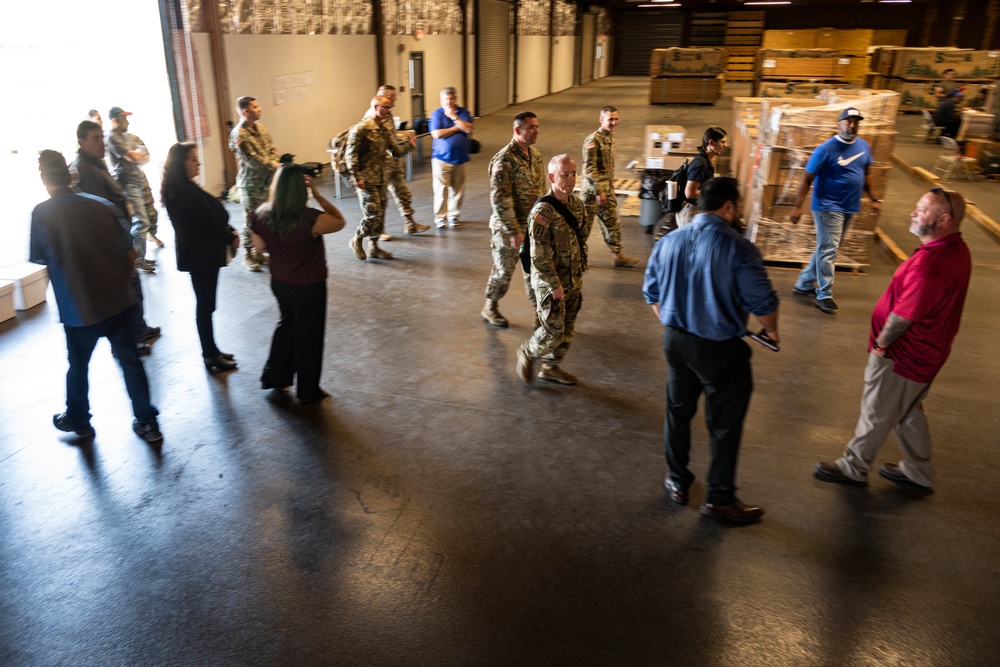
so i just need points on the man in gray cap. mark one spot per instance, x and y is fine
(840, 168)
(128, 154)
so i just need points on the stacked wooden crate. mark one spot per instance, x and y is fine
(744, 32)
(686, 76)
(776, 68)
(913, 72)
(789, 134)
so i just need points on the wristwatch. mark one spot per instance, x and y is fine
(876, 201)
(876, 348)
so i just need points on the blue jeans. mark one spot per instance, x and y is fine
(830, 229)
(80, 343)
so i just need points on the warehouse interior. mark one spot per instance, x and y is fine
(437, 510)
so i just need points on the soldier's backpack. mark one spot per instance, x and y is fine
(338, 152)
(680, 177)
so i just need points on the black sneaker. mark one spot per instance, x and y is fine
(150, 431)
(803, 292)
(62, 422)
(826, 305)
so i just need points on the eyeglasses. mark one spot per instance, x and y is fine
(938, 190)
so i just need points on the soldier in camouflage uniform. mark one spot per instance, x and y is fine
(258, 159)
(599, 184)
(367, 145)
(396, 174)
(128, 154)
(558, 260)
(517, 180)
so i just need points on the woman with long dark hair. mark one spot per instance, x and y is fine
(292, 233)
(201, 225)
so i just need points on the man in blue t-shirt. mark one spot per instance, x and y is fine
(839, 166)
(451, 126)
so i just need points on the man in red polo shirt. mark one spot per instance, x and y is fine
(913, 326)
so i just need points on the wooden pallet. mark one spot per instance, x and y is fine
(842, 266)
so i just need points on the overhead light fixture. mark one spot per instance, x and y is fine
(772, 2)
(886, 2)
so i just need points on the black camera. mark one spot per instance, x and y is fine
(313, 169)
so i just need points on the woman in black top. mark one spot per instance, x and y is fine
(713, 142)
(201, 225)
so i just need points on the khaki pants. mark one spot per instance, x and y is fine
(890, 403)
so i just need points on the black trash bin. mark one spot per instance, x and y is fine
(650, 208)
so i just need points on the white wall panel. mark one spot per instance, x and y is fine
(532, 67)
(345, 73)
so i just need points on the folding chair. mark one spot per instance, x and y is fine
(950, 157)
(928, 130)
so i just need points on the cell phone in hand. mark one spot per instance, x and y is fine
(765, 340)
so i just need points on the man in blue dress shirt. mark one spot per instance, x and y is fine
(701, 281)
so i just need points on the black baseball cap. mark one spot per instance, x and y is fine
(850, 112)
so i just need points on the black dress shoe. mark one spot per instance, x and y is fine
(892, 473)
(677, 494)
(738, 511)
(830, 472)
(316, 399)
(219, 364)
(226, 355)
(63, 423)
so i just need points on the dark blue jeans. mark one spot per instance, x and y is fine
(80, 343)
(722, 371)
(206, 284)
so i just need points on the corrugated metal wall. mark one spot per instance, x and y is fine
(494, 18)
(638, 33)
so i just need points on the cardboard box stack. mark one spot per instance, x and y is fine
(686, 76)
(777, 67)
(913, 72)
(790, 131)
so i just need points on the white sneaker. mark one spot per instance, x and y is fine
(439, 223)
(453, 222)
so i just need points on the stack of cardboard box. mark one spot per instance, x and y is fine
(790, 131)
(914, 72)
(686, 76)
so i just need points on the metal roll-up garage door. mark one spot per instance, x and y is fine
(493, 21)
(638, 33)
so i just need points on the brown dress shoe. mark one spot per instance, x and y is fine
(738, 511)
(830, 472)
(892, 473)
(677, 494)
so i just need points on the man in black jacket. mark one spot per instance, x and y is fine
(91, 176)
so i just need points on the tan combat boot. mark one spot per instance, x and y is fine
(357, 248)
(622, 260)
(525, 364)
(375, 252)
(491, 314)
(553, 373)
(411, 226)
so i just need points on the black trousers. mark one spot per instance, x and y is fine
(297, 345)
(206, 284)
(720, 370)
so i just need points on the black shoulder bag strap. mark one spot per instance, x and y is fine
(562, 210)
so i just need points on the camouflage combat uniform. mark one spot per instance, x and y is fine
(256, 155)
(368, 144)
(133, 183)
(558, 259)
(395, 174)
(599, 179)
(516, 182)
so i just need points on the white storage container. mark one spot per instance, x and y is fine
(30, 283)
(6, 300)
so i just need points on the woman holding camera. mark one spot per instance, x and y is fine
(201, 225)
(292, 233)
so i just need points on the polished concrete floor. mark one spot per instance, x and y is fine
(437, 511)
